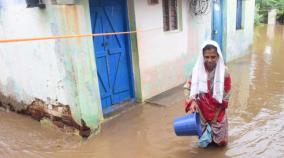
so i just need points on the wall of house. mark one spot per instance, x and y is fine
(60, 71)
(238, 41)
(63, 71)
(166, 58)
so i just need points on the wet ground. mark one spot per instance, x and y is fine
(256, 119)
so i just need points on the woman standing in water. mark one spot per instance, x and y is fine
(207, 91)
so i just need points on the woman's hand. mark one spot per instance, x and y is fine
(194, 106)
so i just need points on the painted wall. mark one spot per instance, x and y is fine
(238, 41)
(64, 71)
(55, 71)
(166, 58)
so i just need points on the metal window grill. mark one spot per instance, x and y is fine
(35, 3)
(199, 7)
(170, 16)
(153, 1)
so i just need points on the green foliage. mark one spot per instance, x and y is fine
(262, 8)
(258, 18)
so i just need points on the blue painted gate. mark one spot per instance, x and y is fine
(217, 22)
(112, 52)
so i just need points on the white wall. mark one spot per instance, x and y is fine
(166, 58)
(238, 41)
(57, 71)
(29, 69)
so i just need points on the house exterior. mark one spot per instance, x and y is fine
(80, 79)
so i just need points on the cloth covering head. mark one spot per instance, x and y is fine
(199, 75)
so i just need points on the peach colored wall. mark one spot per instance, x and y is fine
(166, 58)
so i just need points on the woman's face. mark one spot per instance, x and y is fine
(210, 58)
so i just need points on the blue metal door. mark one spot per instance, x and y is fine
(217, 23)
(112, 52)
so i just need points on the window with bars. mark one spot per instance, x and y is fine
(153, 1)
(170, 15)
(35, 3)
(239, 14)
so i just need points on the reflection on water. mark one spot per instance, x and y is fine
(256, 116)
(20, 136)
(283, 32)
(256, 112)
(270, 31)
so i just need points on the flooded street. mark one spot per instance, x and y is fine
(256, 119)
(256, 109)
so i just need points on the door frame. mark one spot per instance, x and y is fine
(128, 49)
(222, 7)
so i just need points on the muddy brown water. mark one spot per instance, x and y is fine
(256, 119)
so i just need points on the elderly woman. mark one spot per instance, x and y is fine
(207, 92)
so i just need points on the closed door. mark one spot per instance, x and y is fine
(112, 52)
(217, 24)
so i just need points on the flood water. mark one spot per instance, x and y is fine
(256, 119)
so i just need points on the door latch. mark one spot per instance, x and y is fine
(215, 32)
(104, 44)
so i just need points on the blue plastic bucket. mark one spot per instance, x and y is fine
(188, 125)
